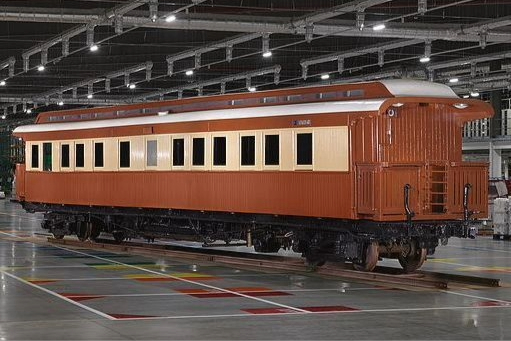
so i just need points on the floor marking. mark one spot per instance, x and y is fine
(189, 281)
(475, 296)
(94, 311)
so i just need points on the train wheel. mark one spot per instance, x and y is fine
(58, 235)
(119, 236)
(83, 231)
(371, 258)
(413, 259)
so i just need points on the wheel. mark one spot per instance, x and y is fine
(119, 236)
(413, 260)
(266, 245)
(83, 231)
(371, 258)
(58, 235)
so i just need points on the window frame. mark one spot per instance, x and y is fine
(76, 155)
(94, 154)
(225, 152)
(263, 142)
(38, 157)
(254, 165)
(184, 166)
(130, 162)
(70, 145)
(146, 156)
(295, 149)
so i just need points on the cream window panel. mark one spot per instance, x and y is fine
(110, 152)
(137, 146)
(71, 156)
(101, 154)
(233, 151)
(331, 149)
(295, 149)
(183, 156)
(258, 150)
(55, 157)
(164, 152)
(264, 148)
(207, 151)
(287, 150)
(39, 158)
(87, 156)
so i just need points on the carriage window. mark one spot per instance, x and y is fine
(80, 155)
(198, 151)
(152, 153)
(47, 157)
(124, 154)
(271, 150)
(219, 151)
(304, 149)
(64, 158)
(98, 154)
(35, 156)
(248, 150)
(178, 152)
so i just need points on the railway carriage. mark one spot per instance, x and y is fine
(341, 172)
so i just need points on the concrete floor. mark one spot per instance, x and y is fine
(55, 293)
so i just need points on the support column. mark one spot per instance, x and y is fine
(495, 162)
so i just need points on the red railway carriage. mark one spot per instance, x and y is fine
(345, 172)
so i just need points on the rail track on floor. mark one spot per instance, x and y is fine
(385, 276)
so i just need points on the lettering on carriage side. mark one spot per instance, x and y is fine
(302, 123)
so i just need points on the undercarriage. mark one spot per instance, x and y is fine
(361, 242)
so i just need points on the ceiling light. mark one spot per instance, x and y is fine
(460, 105)
(474, 94)
(189, 72)
(325, 76)
(170, 18)
(2, 83)
(267, 54)
(29, 111)
(466, 96)
(454, 80)
(94, 47)
(89, 96)
(378, 27)
(252, 89)
(40, 68)
(60, 103)
(424, 59)
(132, 86)
(3, 117)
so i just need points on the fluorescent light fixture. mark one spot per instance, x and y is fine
(94, 47)
(132, 86)
(252, 89)
(267, 54)
(378, 27)
(454, 80)
(170, 18)
(40, 68)
(89, 96)
(189, 72)
(474, 94)
(60, 103)
(424, 59)
(325, 76)
(2, 83)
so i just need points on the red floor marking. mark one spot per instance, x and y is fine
(270, 311)
(491, 304)
(36, 282)
(80, 297)
(253, 292)
(328, 309)
(129, 316)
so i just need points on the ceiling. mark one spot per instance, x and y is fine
(222, 42)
